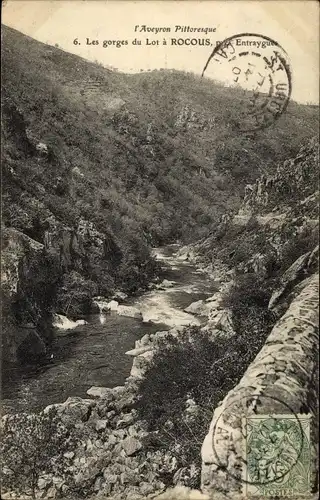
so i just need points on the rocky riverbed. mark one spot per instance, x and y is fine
(92, 351)
(114, 456)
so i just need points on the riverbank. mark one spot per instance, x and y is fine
(112, 451)
(93, 354)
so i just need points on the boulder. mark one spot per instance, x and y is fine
(221, 320)
(51, 492)
(140, 364)
(145, 340)
(112, 305)
(131, 445)
(19, 255)
(199, 308)
(140, 350)
(146, 488)
(120, 434)
(90, 467)
(129, 311)
(129, 477)
(215, 300)
(110, 478)
(134, 494)
(133, 430)
(44, 482)
(125, 421)
(100, 392)
(167, 284)
(101, 425)
(137, 371)
(74, 410)
(63, 323)
(112, 440)
(111, 414)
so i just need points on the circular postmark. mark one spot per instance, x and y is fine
(265, 448)
(259, 66)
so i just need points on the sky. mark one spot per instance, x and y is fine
(294, 24)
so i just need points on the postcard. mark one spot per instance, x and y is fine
(160, 249)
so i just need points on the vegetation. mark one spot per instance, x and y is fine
(138, 160)
(155, 150)
(248, 301)
(33, 446)
(300, 244)
(193, 366)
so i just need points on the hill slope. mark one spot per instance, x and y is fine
(98, 166)
(156, 151)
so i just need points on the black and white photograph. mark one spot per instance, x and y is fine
(159, 250)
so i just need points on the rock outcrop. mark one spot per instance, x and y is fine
(27, 320)
(282, 379)
(274, 238)
(46, 273)
(110, 456)
(199, 308)
(290, 189)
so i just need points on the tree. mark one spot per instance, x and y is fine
(33, 445)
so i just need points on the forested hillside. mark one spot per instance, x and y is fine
(99, 166)
(152, 153)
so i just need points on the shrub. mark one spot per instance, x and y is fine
(303, 243)
(33, 445)
(75, 294)
(193, 366)
(248, 301)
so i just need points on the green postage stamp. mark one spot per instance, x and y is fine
(277, 456)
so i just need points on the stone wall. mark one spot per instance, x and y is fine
(281, 379)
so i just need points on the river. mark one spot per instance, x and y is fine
(94, 353)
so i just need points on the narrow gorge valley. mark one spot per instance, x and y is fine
(93, 353)
(159, 280)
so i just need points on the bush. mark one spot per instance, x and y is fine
(303, 243)
(192, 367)
(248, 301)
(75, 294)
(33, 445)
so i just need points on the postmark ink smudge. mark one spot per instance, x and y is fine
(260, 66)
(272, 451)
